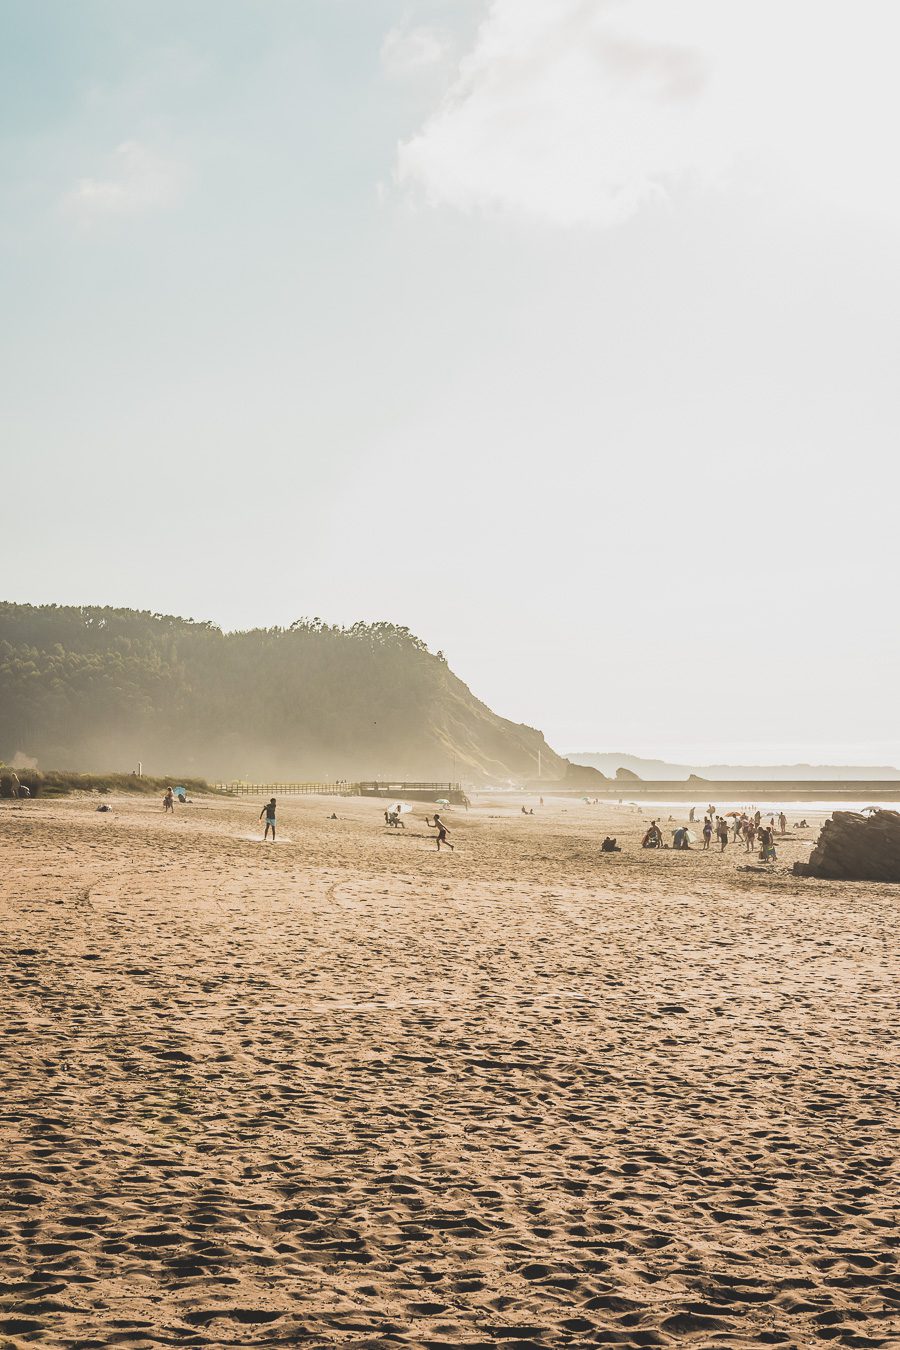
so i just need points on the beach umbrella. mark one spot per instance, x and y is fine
(734, 813)
(442, 801)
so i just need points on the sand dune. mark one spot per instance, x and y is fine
(349, 1092)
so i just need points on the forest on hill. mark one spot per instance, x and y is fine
(99, 689)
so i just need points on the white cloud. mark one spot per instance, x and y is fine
(580, 111)
(139, 180)
(409, 51)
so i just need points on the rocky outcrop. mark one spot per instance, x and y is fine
(624, 775)
(854, 847)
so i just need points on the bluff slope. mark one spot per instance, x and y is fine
(99, 689)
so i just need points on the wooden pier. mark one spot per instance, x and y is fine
(403, 791)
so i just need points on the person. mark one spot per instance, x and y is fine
(542, 801)
(707, 831)
(737, 827)
(692, 817)
(333, 816)
(269, 812)
(680, 838)
(767, 844)
(169, 800)
(609, 846)
(397, 818)
(722, 833)
(802, 825)
(757, 818)
(750, 835)
(782, 822)
(524, 812)
(442, 831)
(653, 837)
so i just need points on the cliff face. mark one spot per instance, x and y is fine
(99, 689)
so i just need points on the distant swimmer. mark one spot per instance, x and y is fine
(269, 812)
(169, 800)
(442, 831)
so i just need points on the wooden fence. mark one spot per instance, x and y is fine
(416, 791)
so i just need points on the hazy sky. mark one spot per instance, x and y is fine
(565, 332)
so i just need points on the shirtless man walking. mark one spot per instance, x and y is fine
(442, 831)
(269, 812)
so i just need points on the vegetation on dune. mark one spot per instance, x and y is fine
(62, 782)
(98, 687)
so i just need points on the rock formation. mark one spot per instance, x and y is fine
(855, 847)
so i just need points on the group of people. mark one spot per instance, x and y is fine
(746, 827)
(737, 825)
(392, 817)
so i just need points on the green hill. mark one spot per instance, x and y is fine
(99, 689)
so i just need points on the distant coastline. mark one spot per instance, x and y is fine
(659, 770)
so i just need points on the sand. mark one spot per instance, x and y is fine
(345, 1091)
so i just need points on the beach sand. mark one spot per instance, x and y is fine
(347, 1091)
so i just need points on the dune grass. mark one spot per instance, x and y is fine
(63, 782)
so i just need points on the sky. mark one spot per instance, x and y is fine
(564, 332)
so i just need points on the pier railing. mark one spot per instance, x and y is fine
(240, 789)
(417, 791)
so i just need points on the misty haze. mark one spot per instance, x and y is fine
(449, 764)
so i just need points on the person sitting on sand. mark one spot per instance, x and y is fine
(680, 838)
(442, 831)
(269, 812)
(609, 846)
(653, 837)
(802, 825)
(169, 800)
